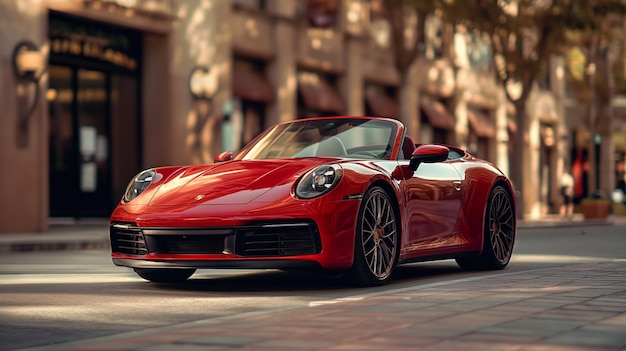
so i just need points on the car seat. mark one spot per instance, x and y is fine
(331, 147)
(408, 146)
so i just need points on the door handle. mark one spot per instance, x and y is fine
(457, 185)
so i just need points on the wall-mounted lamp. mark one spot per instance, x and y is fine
(28, 66)
(28, 62)
(203, 83)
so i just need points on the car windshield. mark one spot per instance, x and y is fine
(345, 137)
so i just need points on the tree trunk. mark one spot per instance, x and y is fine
(519, 154)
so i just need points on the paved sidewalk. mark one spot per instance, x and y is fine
(573, 308)
(94, 234)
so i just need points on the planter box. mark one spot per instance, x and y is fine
(595, 208)
(619, 209)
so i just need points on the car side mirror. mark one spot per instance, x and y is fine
(224, 156)
(428, 153)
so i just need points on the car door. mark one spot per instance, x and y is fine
(433, 203)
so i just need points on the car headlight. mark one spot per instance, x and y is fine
(139, 183)
(319, 181)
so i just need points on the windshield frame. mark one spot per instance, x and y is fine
(296, 139)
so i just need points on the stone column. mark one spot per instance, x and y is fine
(531, 165)
(282, 70)
(23, 153)
(461, 128)
(561, 130)
(200, 38)
(408, 98)
(351, 83)
(502, 133)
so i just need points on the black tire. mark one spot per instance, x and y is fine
(499, 234)
(376, 240)
(164, 275)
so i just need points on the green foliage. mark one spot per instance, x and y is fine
(525, 33)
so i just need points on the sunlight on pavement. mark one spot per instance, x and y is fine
(554, 259)
(65, 278)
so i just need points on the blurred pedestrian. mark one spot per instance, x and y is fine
(567, 192)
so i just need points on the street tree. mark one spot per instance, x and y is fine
(596, 70)
(524, 35)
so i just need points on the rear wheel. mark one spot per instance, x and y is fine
(163, 275)
(376, 240)
(499, 234)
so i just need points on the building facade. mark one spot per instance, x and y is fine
(126, 85)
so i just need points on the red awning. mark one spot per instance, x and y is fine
(381, 104)
(481, 124)
(437, 114)
(251, 85)
(319, 95)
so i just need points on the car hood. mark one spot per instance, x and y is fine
(231, 183)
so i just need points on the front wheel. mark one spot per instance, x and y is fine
(164, 275)
(376, 240)
(499, 234)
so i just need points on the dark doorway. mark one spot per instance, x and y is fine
(94, 115)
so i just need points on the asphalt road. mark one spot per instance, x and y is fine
(59, 296)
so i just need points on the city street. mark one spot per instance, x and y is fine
(51, 297)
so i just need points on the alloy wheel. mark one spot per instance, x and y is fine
(379, 234)
(501, 226)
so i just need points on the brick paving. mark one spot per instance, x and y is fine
(574, 308)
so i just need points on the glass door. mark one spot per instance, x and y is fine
(79, 143)
(62, 157)
(93, 143)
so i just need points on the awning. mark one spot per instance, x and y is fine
(437, 114)
(480, 124)
(251, 85)
(319, 95)
(381, 104)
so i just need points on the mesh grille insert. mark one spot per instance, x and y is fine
(127, 239)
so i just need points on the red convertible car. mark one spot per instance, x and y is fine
(345, 194)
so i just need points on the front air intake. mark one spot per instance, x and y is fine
(281, 239)
(127, 239)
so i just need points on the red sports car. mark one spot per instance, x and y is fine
(346, 194)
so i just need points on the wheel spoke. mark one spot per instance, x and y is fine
(370, 217)
(387, 251)
(390, 234)
(369, 237)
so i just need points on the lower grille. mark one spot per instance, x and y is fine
(257, 240)
(287, 239)
(127, 239)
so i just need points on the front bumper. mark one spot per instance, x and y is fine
(318, 238)
(275, 239)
